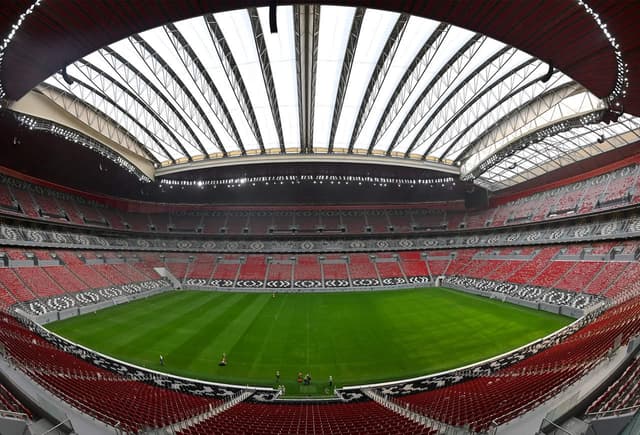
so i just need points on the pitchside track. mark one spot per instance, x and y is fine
(356, 337)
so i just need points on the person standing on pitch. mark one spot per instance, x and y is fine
(330, 381)
(277, 376)
(161, 360)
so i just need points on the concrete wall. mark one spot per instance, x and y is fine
(12, 426)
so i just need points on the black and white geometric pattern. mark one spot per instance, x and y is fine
(308, 283)
(393, 281)
(35, 236)
(278, 284)
(336, 283)
(88, 297)
(471, 241)
(59, 303)
(10, 233)
(634, 225)
(61, 238)
(532, 237)
(195, 282)
(582, 231)
(418, 279)
(546, 232)
(405, 243)
(609, 228)
(81, 240)
(526, 292)
(258, 246)
(249, 283)
(365, 282)
(142, 243)
(101, 241)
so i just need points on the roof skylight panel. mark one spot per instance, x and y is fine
(517, 99)
(282, 56)
(236, 27)
(129, 102)
(116, 113)
(460, 48)
(481, 105)
(197, 35)
(128, 66)
(413, 86)
(375, 30)
(491, 78)
(167, 70)
(335, 24)
(417, 32)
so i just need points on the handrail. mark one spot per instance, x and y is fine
(14, 414)
(70, 401)
(617, 411)
(556, 426)
(56, 426)
(522, 409)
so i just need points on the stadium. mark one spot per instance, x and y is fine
(269, 217)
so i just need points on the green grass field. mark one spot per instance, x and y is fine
(357, 337)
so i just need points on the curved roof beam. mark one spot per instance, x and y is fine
(533, 137)
(378, 76)
(203, 82)
(235, 79)
(560, 150)
(436, 88)
(306, 24)
(88, 113)
(544, 117)
(409, 81)
(176, 88)
(347, 63)
(106, 83)
(518, 119)
(504, 85)
(267, 74)
(476, 79)
(526, 94)
(142, 86)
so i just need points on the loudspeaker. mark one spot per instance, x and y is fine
(273, 22)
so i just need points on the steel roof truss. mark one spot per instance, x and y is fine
(267, 74)
(409, 81)
(347, 63)
(177, 89)
(378, 76)
(203, 82)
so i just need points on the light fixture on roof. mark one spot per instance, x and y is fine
(622, 80)
(273, 14)
(547, 76)
(66, 77)
(38, 124)
(12, 33)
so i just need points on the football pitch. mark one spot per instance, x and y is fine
(356, 337)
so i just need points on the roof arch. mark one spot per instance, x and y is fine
(350, 80)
